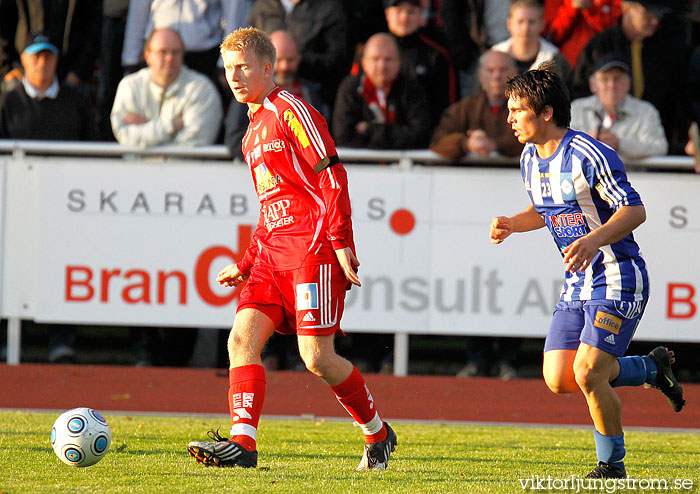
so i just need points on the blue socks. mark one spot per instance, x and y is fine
(610, 450)
(635, 371)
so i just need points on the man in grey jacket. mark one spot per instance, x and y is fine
(629, 125)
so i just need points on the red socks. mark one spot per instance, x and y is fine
(246, 394)
(355, 397)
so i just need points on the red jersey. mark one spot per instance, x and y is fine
(304, 215)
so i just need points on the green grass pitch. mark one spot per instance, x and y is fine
(148, 455)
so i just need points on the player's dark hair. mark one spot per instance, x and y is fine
(542, 87)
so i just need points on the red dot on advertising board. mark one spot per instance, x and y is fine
(402, 221)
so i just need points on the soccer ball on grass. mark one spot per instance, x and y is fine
(80, 437)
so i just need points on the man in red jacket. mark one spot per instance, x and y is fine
(300, 262)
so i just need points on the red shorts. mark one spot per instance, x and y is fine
(305, 301)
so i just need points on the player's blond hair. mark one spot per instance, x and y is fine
(253, 40)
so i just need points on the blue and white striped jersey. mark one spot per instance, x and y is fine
(576, 190)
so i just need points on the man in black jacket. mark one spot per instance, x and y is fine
(472, 27)
(381, 108)
(319, 28)
(422, 58)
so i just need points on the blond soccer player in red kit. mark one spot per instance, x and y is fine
(300, 262)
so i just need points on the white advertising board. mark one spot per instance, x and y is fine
(140, 244)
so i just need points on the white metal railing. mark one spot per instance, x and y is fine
(404, 158)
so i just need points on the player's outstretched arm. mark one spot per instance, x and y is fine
(502, 226)
(579, 254)
(349, 264)
(230, 276)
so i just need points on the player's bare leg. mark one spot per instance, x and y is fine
(318, 354)
(567, 371)
(251, 329)
(558, 371)
(590, 370)
(593, 368)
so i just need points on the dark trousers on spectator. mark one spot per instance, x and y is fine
(110, 71)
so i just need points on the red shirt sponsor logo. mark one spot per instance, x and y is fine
(277, 214)
(264, 180)
(276, 146)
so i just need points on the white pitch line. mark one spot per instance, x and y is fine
(310, 417)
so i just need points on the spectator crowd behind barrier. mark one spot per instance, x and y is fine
(437, 41)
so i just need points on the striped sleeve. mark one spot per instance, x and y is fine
(308, 130)
(605, 172)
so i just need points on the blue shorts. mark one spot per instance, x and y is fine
(605, 324)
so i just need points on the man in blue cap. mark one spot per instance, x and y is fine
(40, 107)
(72, 25)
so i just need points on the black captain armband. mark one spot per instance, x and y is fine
(325, 163)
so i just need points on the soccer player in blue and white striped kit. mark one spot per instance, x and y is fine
(579, 190)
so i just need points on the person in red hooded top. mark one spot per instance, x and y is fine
(569, 24)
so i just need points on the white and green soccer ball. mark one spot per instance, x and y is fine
(80, 437)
